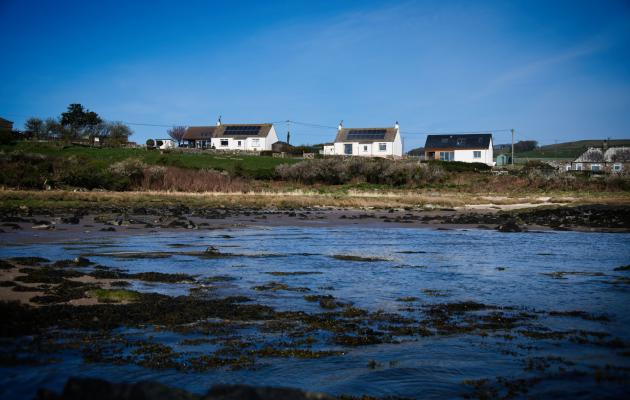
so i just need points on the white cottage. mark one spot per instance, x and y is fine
(465, 148)
(367, 142)
(246, 137)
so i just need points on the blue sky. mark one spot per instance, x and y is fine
(552, 70)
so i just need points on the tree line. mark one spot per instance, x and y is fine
(77, 123)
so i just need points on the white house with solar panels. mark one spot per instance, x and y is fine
(245, 137)
(366, 142)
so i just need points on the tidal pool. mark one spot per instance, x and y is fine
(546, 313)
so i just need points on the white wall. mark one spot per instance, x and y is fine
(328, 150)
(166, 144)
(247, 143)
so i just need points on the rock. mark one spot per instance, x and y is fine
(212, 250)
(43, 226)
(82, 261)
(71, 220)
(98, 389)
(511, 226)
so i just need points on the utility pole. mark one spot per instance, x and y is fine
(288, 131)
(512, 147)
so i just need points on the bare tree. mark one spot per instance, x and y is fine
(177, 133)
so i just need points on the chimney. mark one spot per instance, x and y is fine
(340, 127)
(396, 125)
(219, 121)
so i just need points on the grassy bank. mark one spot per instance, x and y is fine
(295, 199)
(36, 166)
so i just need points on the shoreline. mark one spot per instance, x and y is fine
(38, 226)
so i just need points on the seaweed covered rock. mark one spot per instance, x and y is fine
(98, 389)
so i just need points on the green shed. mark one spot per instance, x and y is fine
(504, 159)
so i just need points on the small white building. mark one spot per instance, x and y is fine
(328, 149)
(468, 148)
(367, 142)
(166, 144)
(245, 137)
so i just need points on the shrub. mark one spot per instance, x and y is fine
(132, 169)
(335, 171)
(187, 180)
(458, 166)
(28, 171)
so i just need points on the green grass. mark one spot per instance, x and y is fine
(114, 295)
(567, 150)
(255, 166)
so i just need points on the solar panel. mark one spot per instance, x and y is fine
(366, 134)
(242, 130)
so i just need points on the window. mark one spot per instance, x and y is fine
(617, 167)
(256, 142)
(596, 167)
(224, 142)
(347, 148)
(238, 143)
(365, 148)
(578, 166)
(476, 154)
(382, 146)
(447, 155)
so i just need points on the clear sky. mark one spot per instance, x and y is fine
(552, 70)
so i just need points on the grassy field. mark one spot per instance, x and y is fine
(568, 150)
(253, 165)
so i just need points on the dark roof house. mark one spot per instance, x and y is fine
(6, 124)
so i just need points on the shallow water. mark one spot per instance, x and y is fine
(436, 266)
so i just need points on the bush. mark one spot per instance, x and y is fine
(459, 166)
(27, 171)
(131, 169)
(336, 171)
(86, 173)
(186, 180)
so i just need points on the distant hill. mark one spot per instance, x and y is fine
(416, 152)
(567, 149)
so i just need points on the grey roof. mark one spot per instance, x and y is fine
(597, 154)
(208, 132)
(199, 133)
(389, 134)
(470, 141)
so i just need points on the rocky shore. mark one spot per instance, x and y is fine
(24, 224)
(98, 389)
